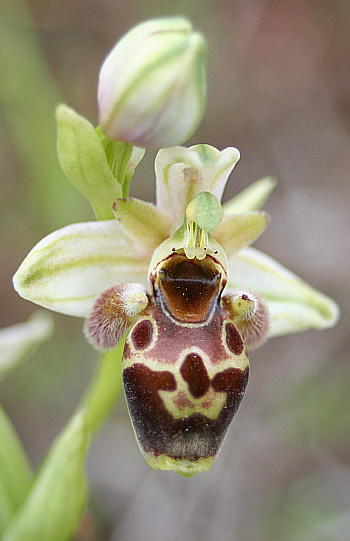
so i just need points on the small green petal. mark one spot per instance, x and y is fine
(143, 223)
(18, 342)
(16, 475)
(83, 159)
(293, 304)
(240, 230)
(205, 209)
(53, 507)
(69, 268)
(252, 198)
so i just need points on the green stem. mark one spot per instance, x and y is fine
(105, 388)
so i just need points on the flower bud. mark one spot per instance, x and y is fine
(152, 85)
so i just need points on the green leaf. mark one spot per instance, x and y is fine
(118, 154)
(53, 507)
(16, 475)
(84, 161)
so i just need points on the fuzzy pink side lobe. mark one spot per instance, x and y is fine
(113, 314)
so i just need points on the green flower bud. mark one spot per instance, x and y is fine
(152, 85)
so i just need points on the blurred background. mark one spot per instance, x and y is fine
(278, 90)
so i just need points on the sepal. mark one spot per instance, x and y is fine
(182, 173)
(293, 304)
(83, 160)
(69, 268)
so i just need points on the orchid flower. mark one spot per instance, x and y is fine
(104, 271)
(175, 287)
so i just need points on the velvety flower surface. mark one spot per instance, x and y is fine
(69, 268)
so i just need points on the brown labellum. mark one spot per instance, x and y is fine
(185, 367)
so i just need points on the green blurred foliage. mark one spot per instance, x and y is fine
(55, 502)
(16, 475)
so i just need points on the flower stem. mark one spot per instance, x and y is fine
(104, 389)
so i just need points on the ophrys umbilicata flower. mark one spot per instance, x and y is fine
(177, 282)
(157, 269)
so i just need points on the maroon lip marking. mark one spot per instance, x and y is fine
(142, 333)
(195, 374)
(151, 381)
(231, 380)
(192, 437)
(233, 339)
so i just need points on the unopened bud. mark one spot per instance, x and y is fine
(152, 85)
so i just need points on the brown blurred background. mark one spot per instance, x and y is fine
(278, 90)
